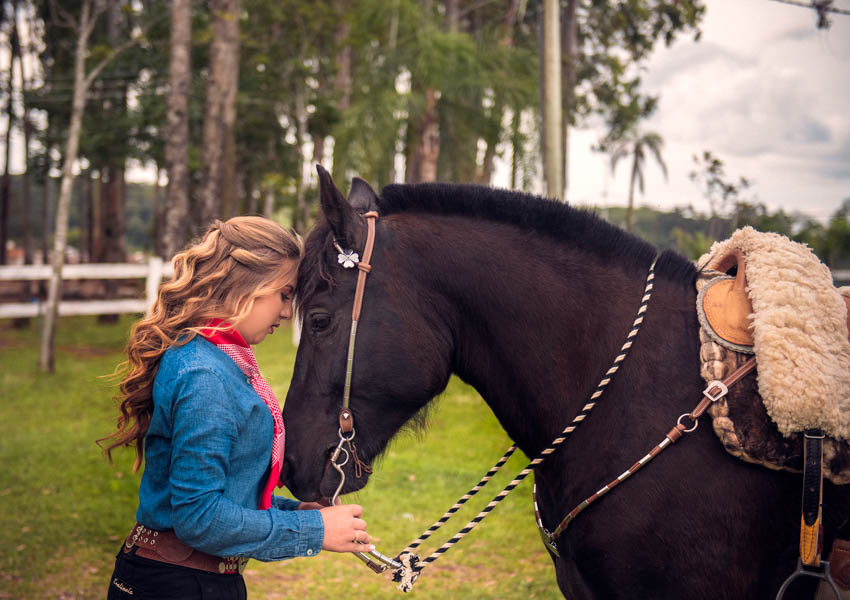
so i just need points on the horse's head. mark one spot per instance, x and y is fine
(401, 359)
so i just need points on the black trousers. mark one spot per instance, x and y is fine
(137, 578)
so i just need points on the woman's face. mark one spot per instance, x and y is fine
(268, 311)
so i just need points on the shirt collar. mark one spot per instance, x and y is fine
(227, 335)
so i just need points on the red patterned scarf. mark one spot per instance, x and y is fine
(232, 344)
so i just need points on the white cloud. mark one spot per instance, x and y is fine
(765, 91)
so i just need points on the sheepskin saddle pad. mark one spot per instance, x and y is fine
(780, 304)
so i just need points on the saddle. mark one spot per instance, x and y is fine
(762, 294)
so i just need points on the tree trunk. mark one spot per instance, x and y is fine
(96, 218)
(569, 50)
(48, 334)
(220, 112)
(342, 78)
(553, 164)
(318, 149)
(251, 195)
(25, 208)
(26, 193)
(26, 188)
(114, 221)
(491, 138)
(158, 210)
(516, 144)
(84, 211)
(630, 210)
(113, 198)
(422, 159)
(5, 183)
(268, 202)
(46, 205)
(176, 213)
(299, 221)
(89, 13)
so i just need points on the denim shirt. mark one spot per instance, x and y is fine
(207, 457)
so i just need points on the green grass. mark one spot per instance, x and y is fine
(64, 509)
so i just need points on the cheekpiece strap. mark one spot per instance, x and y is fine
(364, 265)
(346, 419)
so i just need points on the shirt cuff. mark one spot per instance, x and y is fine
(312, 528)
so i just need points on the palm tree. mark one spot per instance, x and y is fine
(635, 143)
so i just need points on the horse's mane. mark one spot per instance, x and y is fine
(547, 217)
(550, 218)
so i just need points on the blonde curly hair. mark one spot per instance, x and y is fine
(219, 277)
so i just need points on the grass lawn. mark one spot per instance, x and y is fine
(64, 509)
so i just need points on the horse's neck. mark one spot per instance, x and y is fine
(536, 324)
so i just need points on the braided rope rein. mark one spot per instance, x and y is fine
(472, 491)
(412, 565)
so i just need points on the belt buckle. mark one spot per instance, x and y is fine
(232, 565)
(134, 536)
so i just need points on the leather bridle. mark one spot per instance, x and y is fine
(349, 259)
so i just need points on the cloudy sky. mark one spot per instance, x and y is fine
(763, 90)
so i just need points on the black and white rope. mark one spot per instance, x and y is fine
(474, 490)
(413, 566)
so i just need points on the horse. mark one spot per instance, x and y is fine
(528, 300)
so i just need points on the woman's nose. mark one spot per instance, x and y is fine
(286, 311)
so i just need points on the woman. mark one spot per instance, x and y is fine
(209, 428)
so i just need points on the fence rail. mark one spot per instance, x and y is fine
(152, 272)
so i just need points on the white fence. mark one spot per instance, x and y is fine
(152, 272)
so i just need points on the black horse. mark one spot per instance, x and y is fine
(529, 301)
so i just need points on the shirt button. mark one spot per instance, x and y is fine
(309, 552)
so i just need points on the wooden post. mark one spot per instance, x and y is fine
(152, 282)
(553, 163)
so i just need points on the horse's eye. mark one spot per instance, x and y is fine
(319, 323)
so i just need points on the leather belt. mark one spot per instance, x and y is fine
(166, 547)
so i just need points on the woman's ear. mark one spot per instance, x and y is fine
(337, 211)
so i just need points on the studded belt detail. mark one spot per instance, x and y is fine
(166, 547)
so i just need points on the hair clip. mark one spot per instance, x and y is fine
(347, 258)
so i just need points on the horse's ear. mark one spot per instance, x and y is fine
(335, 207)
(362, 197)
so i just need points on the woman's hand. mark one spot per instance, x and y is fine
(345, 531)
